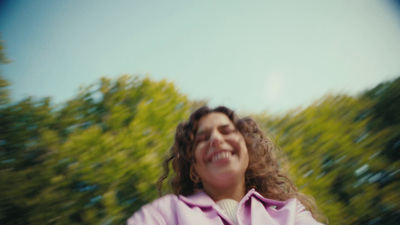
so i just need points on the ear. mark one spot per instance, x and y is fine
(193, 175)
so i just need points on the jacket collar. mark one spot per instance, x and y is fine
(201, 199)
(267, 201)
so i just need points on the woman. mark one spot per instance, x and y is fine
(225, 172)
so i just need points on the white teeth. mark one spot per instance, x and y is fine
(222, 155)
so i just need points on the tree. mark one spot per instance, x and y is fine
(95, 159)
(4, 99)
(111, 155)
(335, 148)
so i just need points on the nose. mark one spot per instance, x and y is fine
(215, 139)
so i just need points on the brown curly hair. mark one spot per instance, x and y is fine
(263, 173)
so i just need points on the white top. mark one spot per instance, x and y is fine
(229, 206)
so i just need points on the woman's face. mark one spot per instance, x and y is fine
(220, 152)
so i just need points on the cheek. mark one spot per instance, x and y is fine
(198, 154)
(244, 150)
(196, 160)
(247, 155)
(199, 165)
(238, 143)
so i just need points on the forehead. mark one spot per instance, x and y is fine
(211, 120)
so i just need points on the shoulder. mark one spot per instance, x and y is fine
(303, 216)
(164, 201)
(292, 210)
(157, 212)
(172, 209)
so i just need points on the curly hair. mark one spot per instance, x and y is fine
(263, 173)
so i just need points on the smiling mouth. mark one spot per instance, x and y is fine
(221, 156)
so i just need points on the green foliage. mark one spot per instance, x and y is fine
(95, 159)
(337, 149)
(4, 99)
(386, 116)
(22, 155)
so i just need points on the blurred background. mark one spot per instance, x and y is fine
(91, 93)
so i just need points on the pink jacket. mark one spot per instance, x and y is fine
(199, 208)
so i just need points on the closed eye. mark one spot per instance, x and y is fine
(200, 138)
(227, 130)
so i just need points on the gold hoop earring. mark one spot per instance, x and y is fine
(193, 176)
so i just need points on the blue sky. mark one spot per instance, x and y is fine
(248, 55)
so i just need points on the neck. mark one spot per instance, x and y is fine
(235, 192)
